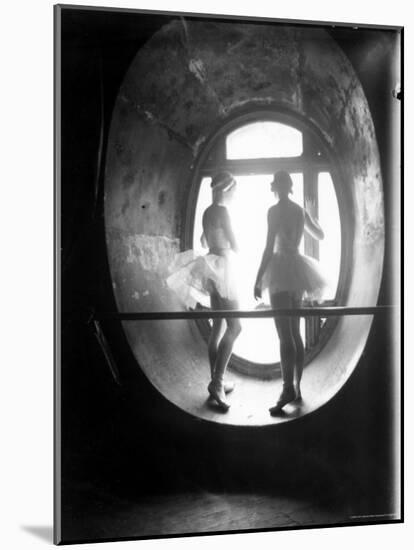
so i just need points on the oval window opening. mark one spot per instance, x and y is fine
(252, 153)
(161, 173)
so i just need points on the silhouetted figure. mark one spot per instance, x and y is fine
(288, 276)
(214, 274)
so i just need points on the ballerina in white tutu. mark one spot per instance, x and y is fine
(214, 275)
(289, 276)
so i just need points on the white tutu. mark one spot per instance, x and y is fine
(290, 271)
(194, 277)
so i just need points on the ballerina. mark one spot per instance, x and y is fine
(214, 275)
(289, 276)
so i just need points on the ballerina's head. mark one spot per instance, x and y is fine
(282, 184)
(223, 186)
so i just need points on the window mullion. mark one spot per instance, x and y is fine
(262, 166)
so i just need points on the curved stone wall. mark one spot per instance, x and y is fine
(187, 81)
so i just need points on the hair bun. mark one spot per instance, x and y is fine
(282, 179)
(222, 180)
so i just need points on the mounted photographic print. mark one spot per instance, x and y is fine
(228, 196)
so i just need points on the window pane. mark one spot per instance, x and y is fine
(330, 246)
(264, 140)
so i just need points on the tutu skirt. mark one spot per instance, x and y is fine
(293, 272)
(194, 277)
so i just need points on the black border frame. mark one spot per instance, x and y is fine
(57, 9)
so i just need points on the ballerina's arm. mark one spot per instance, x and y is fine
(312, 227)
(268, 251)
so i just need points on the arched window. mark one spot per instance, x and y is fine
(253, 150)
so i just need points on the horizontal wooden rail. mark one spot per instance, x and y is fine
(266, 166)
(245, 314)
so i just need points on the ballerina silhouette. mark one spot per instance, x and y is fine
(289, 276)
(214, 275)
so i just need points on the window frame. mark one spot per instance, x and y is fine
(316, 157)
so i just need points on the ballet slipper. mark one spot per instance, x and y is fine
(228, 385)
(287, 396)
(216, 391)
(298, 394)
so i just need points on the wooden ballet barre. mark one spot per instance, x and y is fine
(329, 311)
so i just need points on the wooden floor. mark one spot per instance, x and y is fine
(103, 516)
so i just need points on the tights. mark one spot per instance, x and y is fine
(222, 338)
(291, 346)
